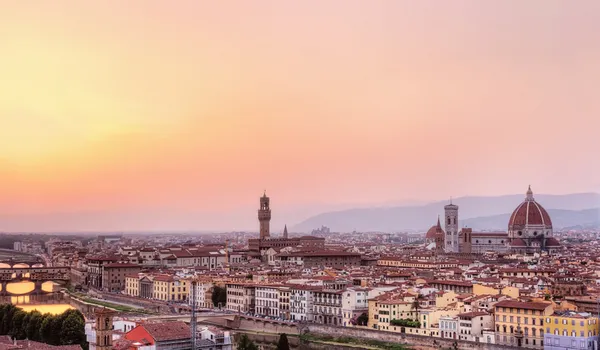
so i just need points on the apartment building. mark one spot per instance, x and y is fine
(170, 288)
(571, 330)
(471, 326)
(520, 323)
(301, 303)
(327, 307)
(203, 293)
(267, 301)
(241, 297)
(355, 302)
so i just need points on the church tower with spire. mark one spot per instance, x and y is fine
(264, 217)
(440, 238)
(451, 225)
(285, 233)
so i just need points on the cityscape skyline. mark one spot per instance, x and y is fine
(196, 108)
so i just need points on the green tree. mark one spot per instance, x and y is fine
(22, 332)
(244, 343)
(7, 321)
(363, 319)
(46, 328)
(416, 305)
(283, 343)
(17, 323)
(73, 330)
(219, 296)
(33, 328)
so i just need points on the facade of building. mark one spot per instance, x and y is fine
(113, 275)
(301, 303)
(241, 297)
(571, 330)
(451, 225)
(520, 323)
(267, 301)
(327, 307)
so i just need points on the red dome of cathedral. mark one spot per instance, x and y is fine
(434, 230)
(530, 215)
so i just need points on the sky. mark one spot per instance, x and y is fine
(153, 114)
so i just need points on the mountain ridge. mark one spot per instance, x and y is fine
(473, 211)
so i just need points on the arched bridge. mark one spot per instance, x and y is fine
(35, 275)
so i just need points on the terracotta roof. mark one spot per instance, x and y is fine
(523, 305)
(529, 212)
(165, 331)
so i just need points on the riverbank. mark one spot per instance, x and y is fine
(109, 305)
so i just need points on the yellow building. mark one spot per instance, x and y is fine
(170, 288)
(480, 289)
(521, 323)
(571, 330)
(132, 285)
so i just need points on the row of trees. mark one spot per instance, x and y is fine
(405, 322)
(67, 328)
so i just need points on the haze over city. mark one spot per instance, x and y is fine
(164, 115)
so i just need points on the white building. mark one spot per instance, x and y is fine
(241, 297)
(472, 324)
(301, 303)
(355, 301)
(449, 327)
(267, 301)
(212, 338)
(202, 287)
(327, 307)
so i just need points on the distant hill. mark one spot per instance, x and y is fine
(476, 212)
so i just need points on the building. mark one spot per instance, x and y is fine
(571, 330)
(104, 329)
(241, 297)
(471, 326)
(327, 307)
(530, 227)
(161, 336)
(113, 275)
(266, 242)
(321, 258)
(482, 242)
(267, 301)
(203, 294)
(96, 268)
(355, 302)
(264, 217)
(520, 323)
(301, 303)
(451, 225)
(440, 239)
(169, 288)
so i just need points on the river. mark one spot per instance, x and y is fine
(52, 302)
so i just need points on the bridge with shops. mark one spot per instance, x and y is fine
(36, 275)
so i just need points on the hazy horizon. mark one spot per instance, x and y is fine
(167, 108)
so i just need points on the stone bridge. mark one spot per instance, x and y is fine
(236, 321)
(36, 275)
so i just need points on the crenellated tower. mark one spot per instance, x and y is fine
(451, 225)
(264, 217)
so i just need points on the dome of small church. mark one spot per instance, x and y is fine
(529, 215)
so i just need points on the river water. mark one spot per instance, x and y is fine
(52, 302)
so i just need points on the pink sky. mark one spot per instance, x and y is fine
(197, 106)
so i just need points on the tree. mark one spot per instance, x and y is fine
(73, 330)
(244, 343)
(219, 296)
(33, 328)
(17, 323)
(416, 304)
(283, 343)
(46, 328)
(363, 319)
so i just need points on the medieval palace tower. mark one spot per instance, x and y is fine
(451, 224)
(264, 216)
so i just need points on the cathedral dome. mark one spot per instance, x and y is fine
(530, 219)
(433, 231)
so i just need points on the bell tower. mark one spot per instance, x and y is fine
(451, 225)
(264, 217)
(104, 329)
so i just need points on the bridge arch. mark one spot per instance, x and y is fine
(21, 266)
(20, 288)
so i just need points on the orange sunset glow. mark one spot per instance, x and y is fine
(149, 114)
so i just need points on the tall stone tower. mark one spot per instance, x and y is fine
(451, 225)
(285, 233)
(104, 329)
(264, 216)
(440, 237)
(466, 244)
